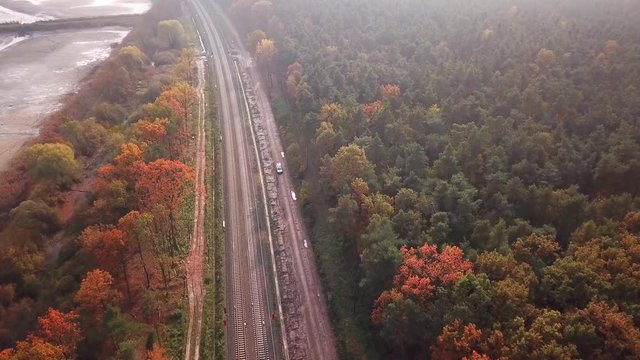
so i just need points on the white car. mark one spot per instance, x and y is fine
(279, 168)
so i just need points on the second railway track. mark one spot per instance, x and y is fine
(250, 333)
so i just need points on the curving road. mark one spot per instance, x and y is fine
(250, 332)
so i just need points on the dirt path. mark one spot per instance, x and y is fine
(195, 261)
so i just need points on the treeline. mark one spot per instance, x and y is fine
(469, 169)
(95, 222)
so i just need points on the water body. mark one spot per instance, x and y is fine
(34, 10)
(37, 70)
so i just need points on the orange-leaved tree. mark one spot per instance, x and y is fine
(114, 183)
(61, 329)
(390, 92)
(111, 248)
(34, 348)
(164, 184)
(468, 342)
(422, 270)
(96, 293)
(150, 132)
(180, 98)
(371, 109)
(128, 162)
(402, 312)
(132, 229)
(157, 353)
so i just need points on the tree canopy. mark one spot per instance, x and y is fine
(477, 161)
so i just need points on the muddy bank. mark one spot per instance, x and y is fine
(35, 10)
(37, 71)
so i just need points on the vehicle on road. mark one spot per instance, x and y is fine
(279, 168)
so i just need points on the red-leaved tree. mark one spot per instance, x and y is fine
(422, 270)
(111, 248)
(164, 184)
(96, 292)
(61, 329)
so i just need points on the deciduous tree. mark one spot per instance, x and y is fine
(164, 183)
(348, 164)
(254, 38)
(180, 98)
(36, 348)
(171, 34)
(111, 248)
(545, 57)
(52, 163)
(151, 132)
(184, 69)
(422, 270)
(266, 50)
(61, 329)
(96, 292)
(390, 92)
(462, 342)
(157, 353)
(37, 216)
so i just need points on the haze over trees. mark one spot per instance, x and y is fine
(469, 169)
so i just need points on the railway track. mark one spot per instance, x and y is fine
(238, 312)
(250, 333)
(310, 335)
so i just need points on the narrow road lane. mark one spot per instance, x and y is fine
(317, 331)
(250, 332)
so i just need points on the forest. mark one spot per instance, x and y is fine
(96, 215)
(470, 170)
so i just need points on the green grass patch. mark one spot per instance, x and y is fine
(207, 349)
(175, 332)
(213, 338)
(219, 238)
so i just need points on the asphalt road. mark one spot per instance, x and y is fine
(250, 334)
(320, 341)
(247, 284)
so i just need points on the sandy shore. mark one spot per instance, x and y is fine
(37, 71)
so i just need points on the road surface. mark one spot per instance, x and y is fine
(250, 332)
(308, 329)
(320, 342)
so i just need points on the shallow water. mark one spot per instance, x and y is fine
(34, 10)
(36, 71)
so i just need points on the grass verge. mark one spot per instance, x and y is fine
(213, 338)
